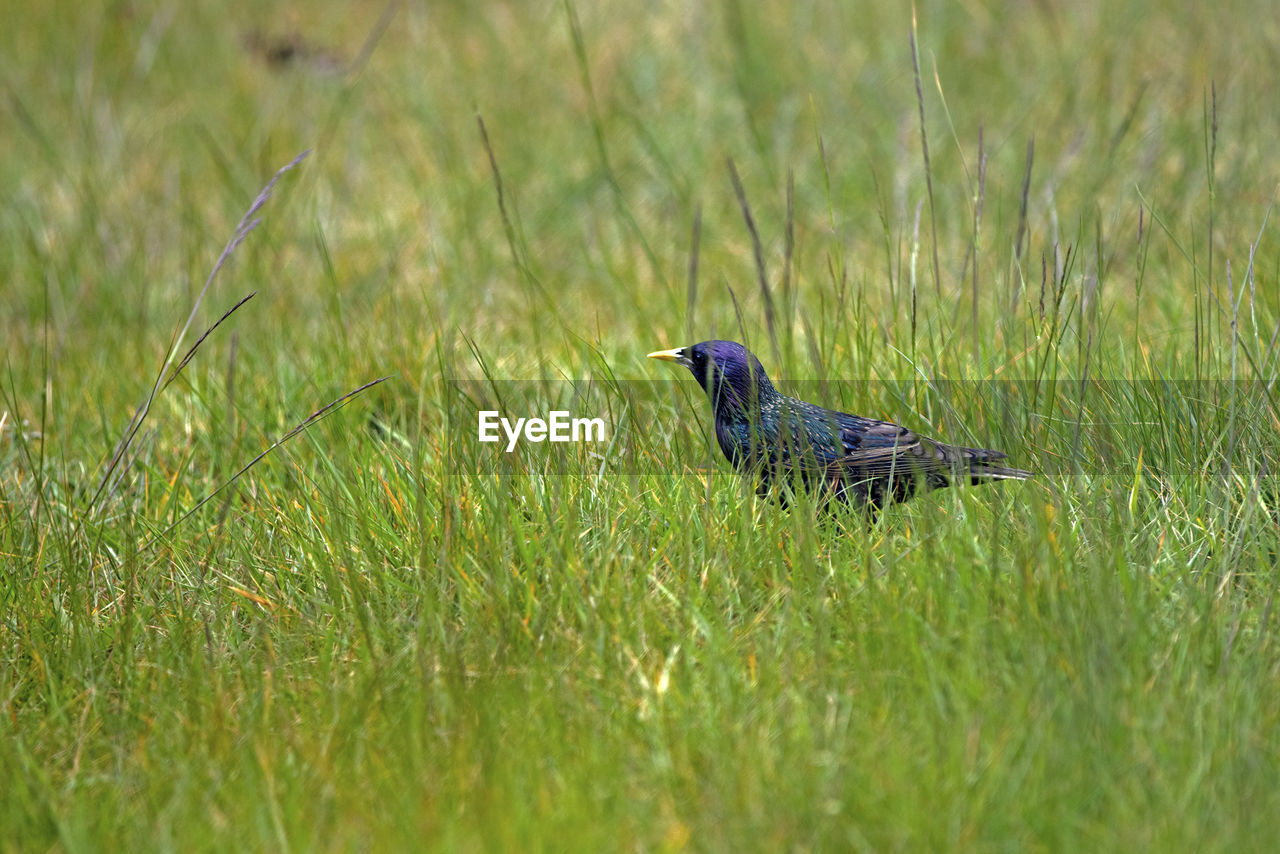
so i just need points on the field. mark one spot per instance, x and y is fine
(249, 602)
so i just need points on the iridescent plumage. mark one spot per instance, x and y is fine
(833, 455)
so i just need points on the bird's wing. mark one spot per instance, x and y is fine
(853, 448)
(881, 449)
(850, 445)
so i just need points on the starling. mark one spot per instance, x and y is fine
(832, 455)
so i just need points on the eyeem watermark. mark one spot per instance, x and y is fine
(1159, 426)
(556, 427)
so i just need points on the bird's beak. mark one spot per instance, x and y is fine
(677, 355)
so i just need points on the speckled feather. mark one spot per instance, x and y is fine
(832, 454)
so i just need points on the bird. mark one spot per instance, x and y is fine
(836, 457)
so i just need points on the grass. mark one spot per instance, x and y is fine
(386, 635)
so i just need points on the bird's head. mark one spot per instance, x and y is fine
(729, 373)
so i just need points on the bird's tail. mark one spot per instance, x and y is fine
(984, 472)
(983, 466)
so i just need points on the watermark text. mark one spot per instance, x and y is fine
(558, 426)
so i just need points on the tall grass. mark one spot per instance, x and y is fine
(390, 635)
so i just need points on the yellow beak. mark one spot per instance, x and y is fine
(677, 355)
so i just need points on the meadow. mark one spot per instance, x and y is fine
(249, 601)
